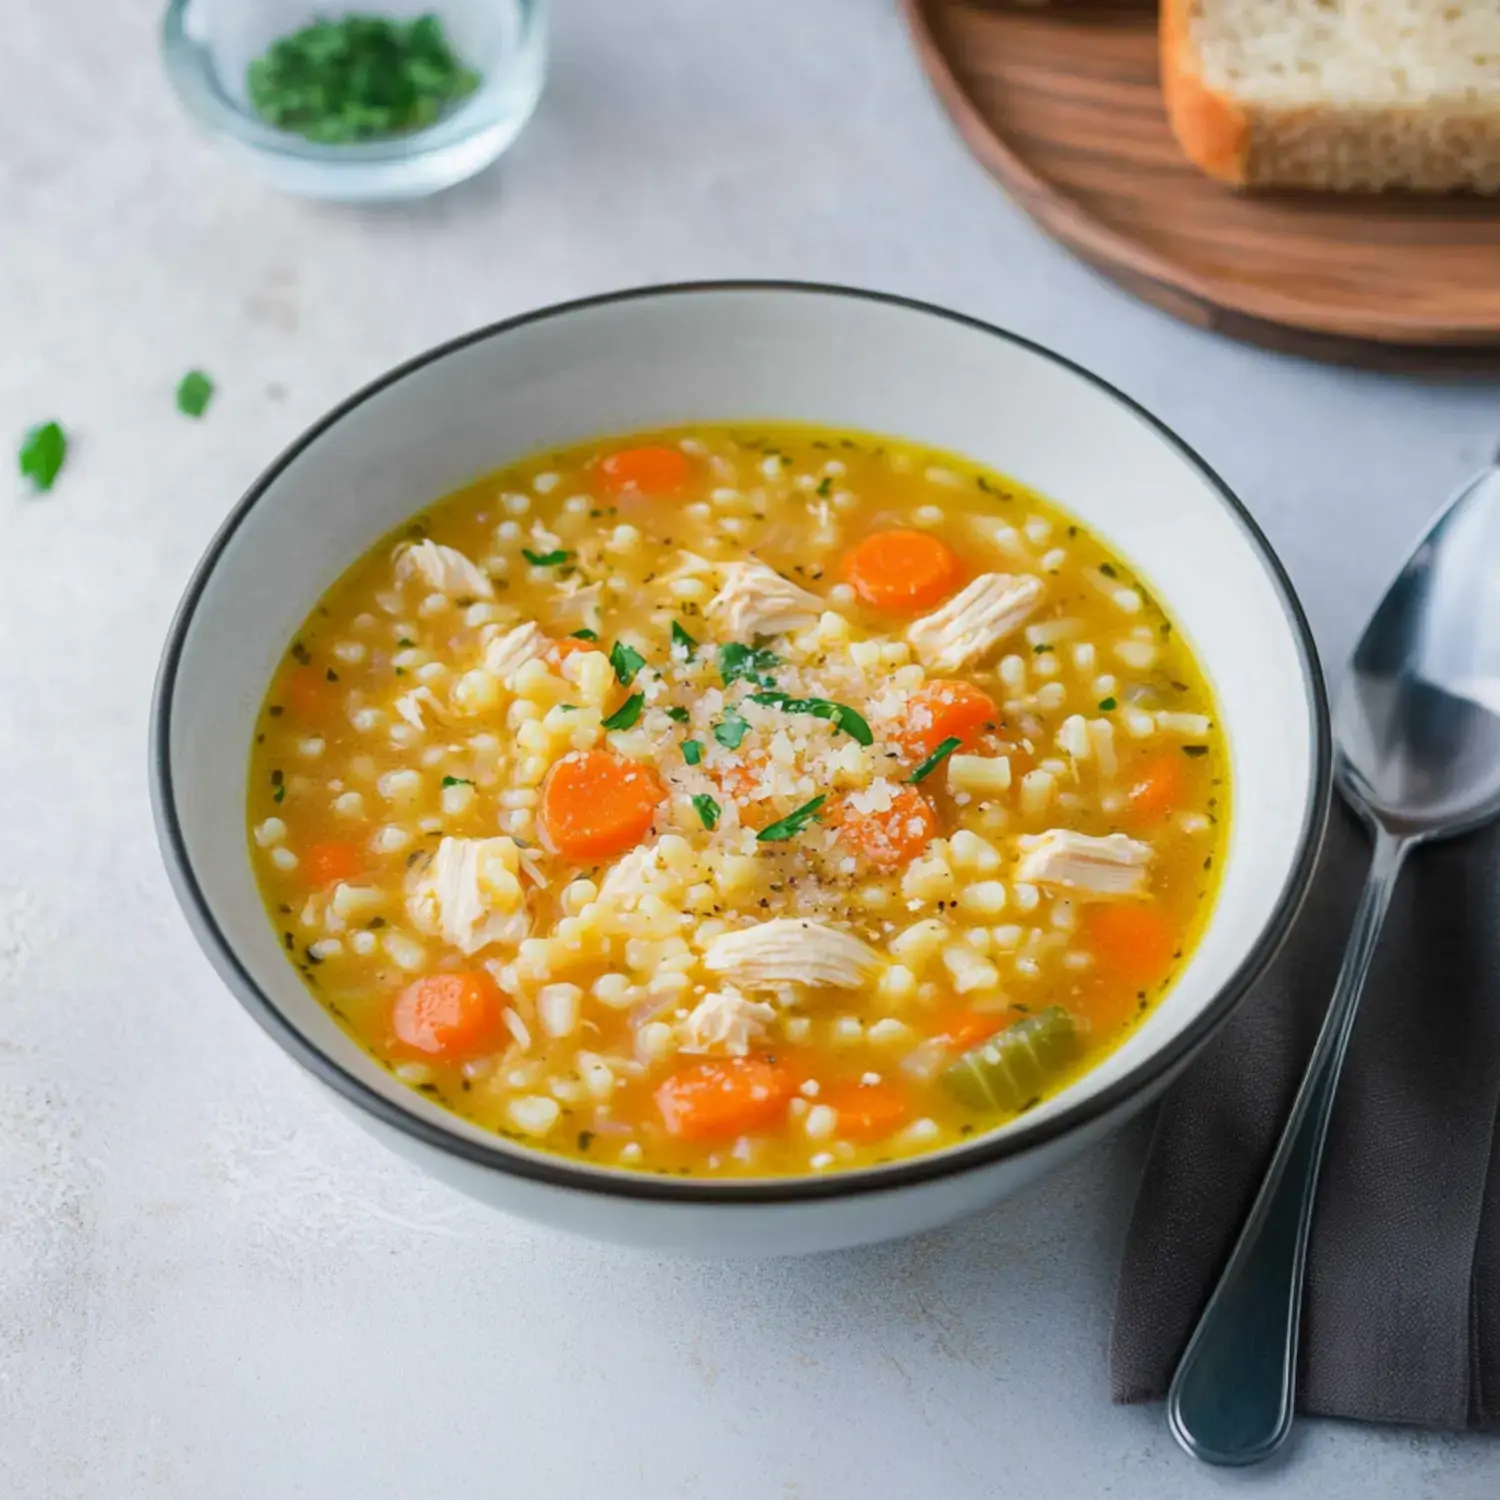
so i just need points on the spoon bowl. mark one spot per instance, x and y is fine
(1418, 720)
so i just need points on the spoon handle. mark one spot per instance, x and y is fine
(1231, 1400)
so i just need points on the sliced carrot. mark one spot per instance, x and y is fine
(327, 864)
(892, 838)
(904, 571)
(968, 1028)
(596, 804)
(720, 1098)
(646, 471)
(306, 693)
(452, 1016)
(1135, 943)
(1159, 790)
(866, 1111)
(947, 710)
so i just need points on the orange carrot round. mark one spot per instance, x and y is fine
(327, 864)
(947, 710)
(1159, 790)
(890, 839)
(1135, 943)
(968, 1028)
(596, 804)
(903, 571)
(867, 1111)
(646, 471)
(452, 1016)
(720, 1098)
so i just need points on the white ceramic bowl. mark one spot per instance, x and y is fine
(741, 352)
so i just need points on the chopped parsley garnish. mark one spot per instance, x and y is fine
(43, 450)
(692, 752)
(824, 486)
(1108, 705)
(838, 713)
(358, 78)
(626, 661)
(791, 825)
(680, 637)
(1195, 750)
(279, 794)
(677, 714)
(1042, 648)
(406, 643)
(708, 810)
(456, 781)
(739, 663)
(1108, 569)
(194, 391)
(545, 559)
(936, 759)
(730, 730)
(584, 635)
(625, 716)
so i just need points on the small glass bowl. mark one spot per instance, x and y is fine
(208, 45)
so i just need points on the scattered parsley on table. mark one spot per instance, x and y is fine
(44, 450)
(194, 391)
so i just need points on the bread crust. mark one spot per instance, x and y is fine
(1213, 131)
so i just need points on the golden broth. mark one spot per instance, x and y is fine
(630, 827)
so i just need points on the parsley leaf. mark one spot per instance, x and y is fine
(627, 713)
(730, 730)
(936, 759)
(824, 486)
(692, 752)
(584, 635)
(708, 810)
(545, 559)
(839, 713)
(626, 662)
(680, 637)
(194, 391)
(791, 825)
(677, 715)
(1108, 705)
(43, 450)
(456, 781)
(739, 663)
(1195, 750)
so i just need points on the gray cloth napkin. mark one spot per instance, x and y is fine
(1401, 1319)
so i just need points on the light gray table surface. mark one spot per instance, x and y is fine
(212, 1286)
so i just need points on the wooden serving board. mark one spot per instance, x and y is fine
(1061, 103)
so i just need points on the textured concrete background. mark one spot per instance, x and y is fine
(210, 1285)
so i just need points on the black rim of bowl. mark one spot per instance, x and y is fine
(1021, 1136)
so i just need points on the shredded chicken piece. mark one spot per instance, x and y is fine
(470, 894)
(1101, 867)
(787, 950)
(506, 655)
(975, 620)
(757, 600)
(444, 569)
(411, 706)
(577, 604)
(725, 1021)
(630, 877)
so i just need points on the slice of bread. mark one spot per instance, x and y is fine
(1347, 95)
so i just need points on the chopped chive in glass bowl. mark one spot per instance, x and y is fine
(378, 102)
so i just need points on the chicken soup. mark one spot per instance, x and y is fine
(736, 802)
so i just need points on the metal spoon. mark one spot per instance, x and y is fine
(1418, 735)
